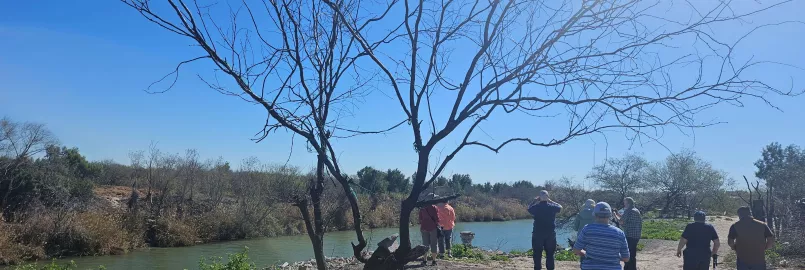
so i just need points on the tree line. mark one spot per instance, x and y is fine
(452, 67)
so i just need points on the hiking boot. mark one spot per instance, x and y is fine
(433, 263)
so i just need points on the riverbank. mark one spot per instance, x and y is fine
(655, 254)
(107, 226)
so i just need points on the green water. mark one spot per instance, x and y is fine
(506, 236)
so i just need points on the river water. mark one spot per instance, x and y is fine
(505, 236)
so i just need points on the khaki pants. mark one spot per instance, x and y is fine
(430, 239)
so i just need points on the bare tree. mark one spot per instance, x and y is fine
(290, 57)
(621, 175)
(19, 143)
(598, 65)
(684, 179)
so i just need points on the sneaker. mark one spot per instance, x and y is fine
(433, 263)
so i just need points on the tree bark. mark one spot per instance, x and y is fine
(770, 203)
(315, 239)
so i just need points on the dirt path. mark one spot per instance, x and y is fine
(656, 255)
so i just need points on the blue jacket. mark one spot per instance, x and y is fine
(544, 214)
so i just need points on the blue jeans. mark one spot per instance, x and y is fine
(445, 241)
(546, 242)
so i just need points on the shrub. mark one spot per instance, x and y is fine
(51, 266)
(13, 252)
(171, 232)
(236, 261)
(566, 255)
(462, 251)
(663, 229)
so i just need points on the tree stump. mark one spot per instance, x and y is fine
(384, 257)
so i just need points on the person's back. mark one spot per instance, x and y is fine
(750, 241)
(544, 214)
(696, 240)
(585, 216)
(699, 236)
(603, 246)
(447, 216)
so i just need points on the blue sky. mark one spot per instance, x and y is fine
(81, 66)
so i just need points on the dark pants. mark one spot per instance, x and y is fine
(546, 242)
(632, 264)
(743, 266)
(445, 241)
(696, 260)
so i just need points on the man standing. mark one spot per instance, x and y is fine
(632, 224)
(585, 216)
(543, 237)
(603, 246)
(428, 226)
(750, 239)
(447, 219)
(697, 237)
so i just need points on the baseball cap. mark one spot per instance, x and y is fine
(699, 216)
(602, 209)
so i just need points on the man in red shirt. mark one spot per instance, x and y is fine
(428, 223)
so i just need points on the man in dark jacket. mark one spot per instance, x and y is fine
(697, 237)
(543, 237)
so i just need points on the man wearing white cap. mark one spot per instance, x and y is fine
(543, 237)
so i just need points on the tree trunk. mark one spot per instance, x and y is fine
(4, 202)
(315, 239)
(406, 208)
(356, 221)
(770, 203)
(315, 194)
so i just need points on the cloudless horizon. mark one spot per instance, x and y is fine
(80, 67)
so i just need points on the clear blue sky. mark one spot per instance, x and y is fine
(80, 67)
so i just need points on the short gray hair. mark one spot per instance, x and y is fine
(629, 201)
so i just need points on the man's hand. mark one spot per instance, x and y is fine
(678, 253)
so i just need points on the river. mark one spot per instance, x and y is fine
(505, 236)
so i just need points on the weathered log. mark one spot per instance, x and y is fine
(383, 257)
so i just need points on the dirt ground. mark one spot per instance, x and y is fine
(656, 255)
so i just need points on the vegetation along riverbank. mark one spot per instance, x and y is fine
(57, 203)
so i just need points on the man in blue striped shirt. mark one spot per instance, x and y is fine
(603, 246)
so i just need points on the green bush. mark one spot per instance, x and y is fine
(663, 229)
(566, 255)
(236, 261)
(462, 251)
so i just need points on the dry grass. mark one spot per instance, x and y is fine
(52, 233)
